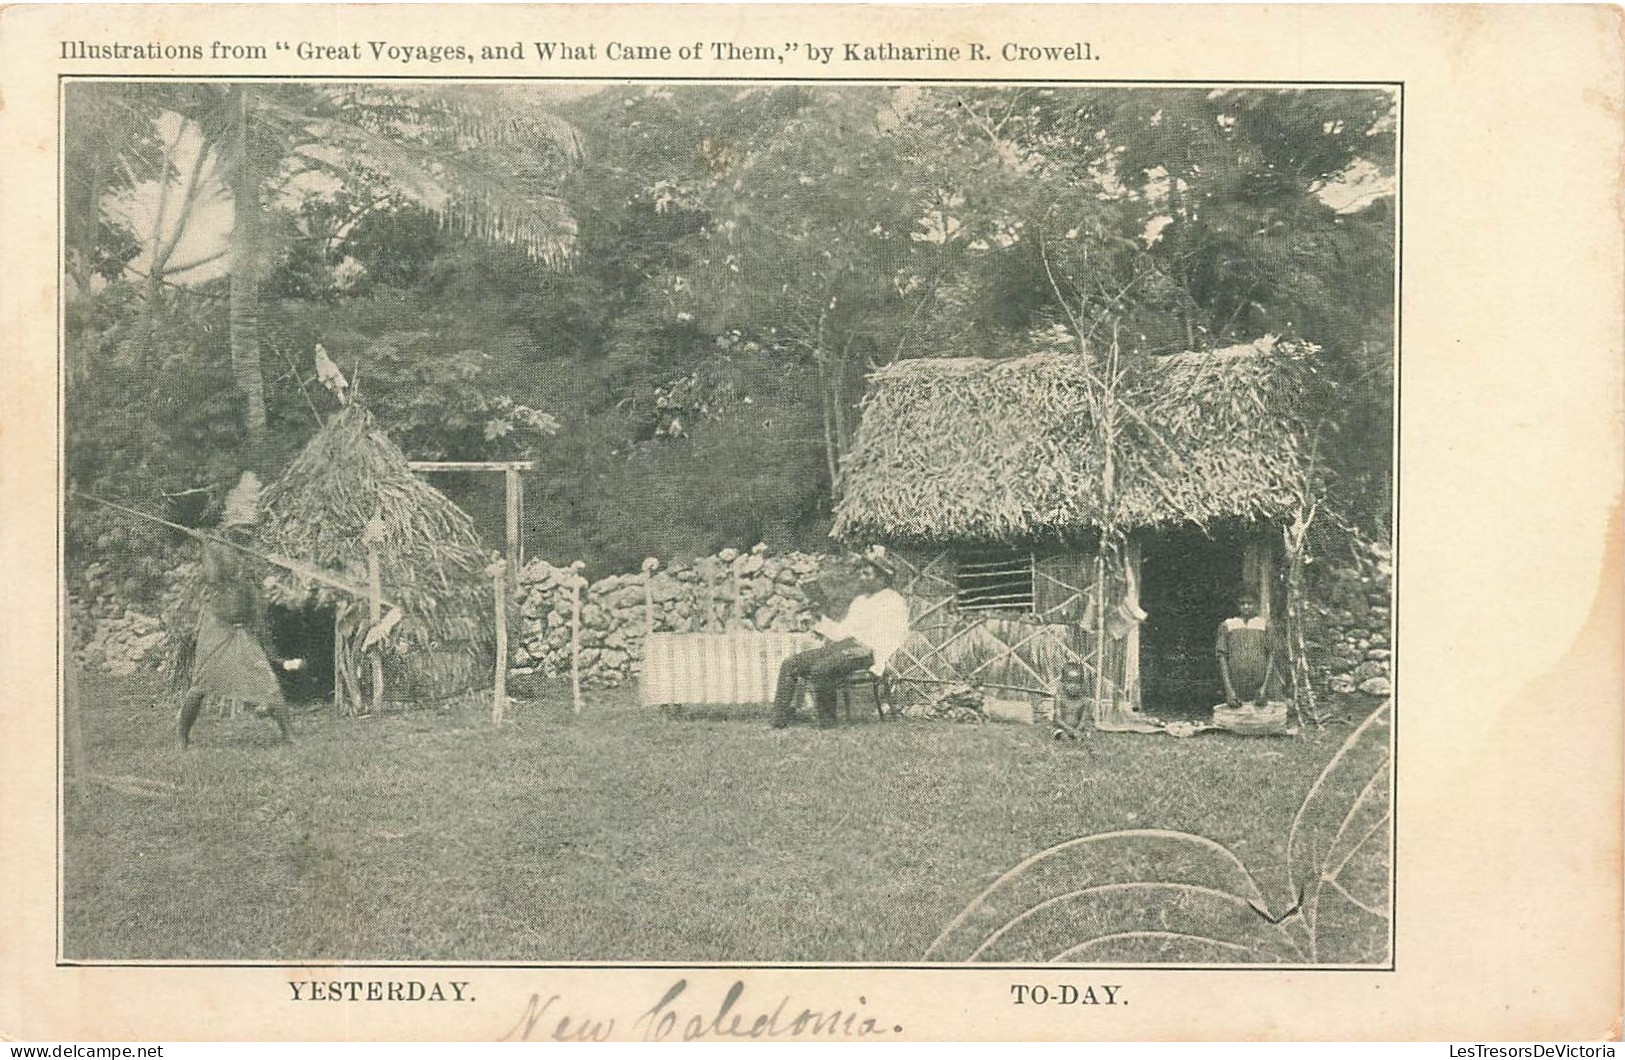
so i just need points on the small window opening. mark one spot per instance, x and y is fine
(994, 580)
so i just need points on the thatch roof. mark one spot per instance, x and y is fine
(968, 449)
(430, 557)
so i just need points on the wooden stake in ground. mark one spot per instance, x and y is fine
(710, 602)
(1099, 708)
(1294, 538)
(375, 591)
(650, 565)
(736, 606)
(338, 664)
(499, 591)
(512, 487)
(576, 582)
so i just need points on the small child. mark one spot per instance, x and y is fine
(1246, 655)
(1070, 702)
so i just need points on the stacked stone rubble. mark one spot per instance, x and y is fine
(732, 590)
(121, 638)
(1355, 620)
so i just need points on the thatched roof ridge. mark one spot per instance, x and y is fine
(430, 557)
(971, 449)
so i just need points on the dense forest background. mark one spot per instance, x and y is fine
(670, 297)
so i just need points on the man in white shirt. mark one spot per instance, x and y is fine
(875, 626)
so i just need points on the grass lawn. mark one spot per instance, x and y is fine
(618, 835)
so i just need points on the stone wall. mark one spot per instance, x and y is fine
(729, 591)
(1353, 619)
(752, 590)
(108, 633)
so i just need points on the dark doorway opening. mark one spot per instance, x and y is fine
(1188, 585)
(304, 633)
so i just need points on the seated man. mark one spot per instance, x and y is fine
(875, 626)
(1246, 651)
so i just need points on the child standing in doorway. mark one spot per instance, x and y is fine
(1246, 652)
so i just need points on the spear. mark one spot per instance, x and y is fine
(304, 570)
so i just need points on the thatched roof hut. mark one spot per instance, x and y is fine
(967, 449)
(987, 481)
(430, 559)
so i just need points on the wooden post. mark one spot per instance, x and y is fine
(1100, 632)
(375, 592)
(1131, 644)
(1266, 580)
(649, 567)
(575, 635)
(710, 601)
(499, 591)
(1294, 539)
(735, 607)
(514, 485)
(338, 664)
(515, 501)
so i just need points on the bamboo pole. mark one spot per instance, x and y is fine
(338, 664)
(499, 593)
(1131, 645)
(375, 590)
(303, 570)
(1294, 539)
(1100, 631)
(1106, 431)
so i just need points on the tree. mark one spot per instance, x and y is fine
(486, 162)
(832, 230)
(1155, 221)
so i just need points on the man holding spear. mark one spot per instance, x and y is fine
(229, 658)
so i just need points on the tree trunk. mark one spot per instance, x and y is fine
(247, 254)
(840, 403)
(153, 288)
(826, 415)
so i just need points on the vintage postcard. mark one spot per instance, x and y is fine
(833, 523)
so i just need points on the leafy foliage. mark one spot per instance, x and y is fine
(743, 259)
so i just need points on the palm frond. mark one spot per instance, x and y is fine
(495, 115)
(1157, 897)
(504, 207)
(1109, 891)
(450, 153)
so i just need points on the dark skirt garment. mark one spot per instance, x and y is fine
(230, 663)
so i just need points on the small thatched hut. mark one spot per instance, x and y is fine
(350, 477)
(1027, 536)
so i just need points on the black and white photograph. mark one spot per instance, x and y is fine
(755, 522)
(744, 522)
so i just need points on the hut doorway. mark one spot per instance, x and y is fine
(1188, 585)
(304, 633)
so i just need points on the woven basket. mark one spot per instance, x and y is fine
(1252, 719)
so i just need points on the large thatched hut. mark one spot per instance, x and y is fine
(1028, 532)
(350, 505)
